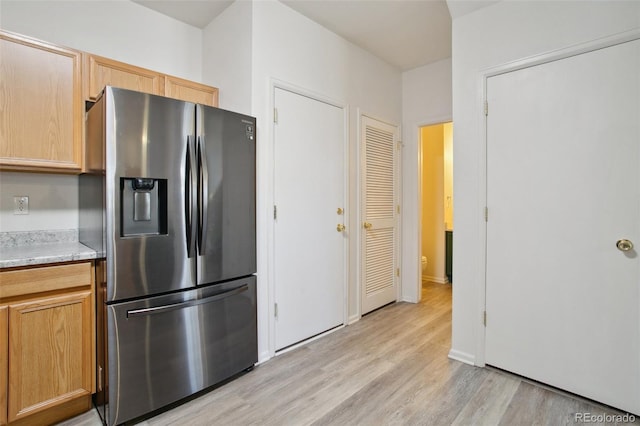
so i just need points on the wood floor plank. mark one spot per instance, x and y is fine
(372, 403)
(453, 396)
(489, 403)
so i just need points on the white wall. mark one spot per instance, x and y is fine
(227, 56)
(490, 37)
(426, 99)
(289, 47)
(448, 176)
(121, 30)
(53, 201)
(433, 238)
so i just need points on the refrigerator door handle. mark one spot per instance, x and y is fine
(203, 195)
(186, 304)
(189, 201)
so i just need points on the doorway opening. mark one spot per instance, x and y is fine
(436, 241)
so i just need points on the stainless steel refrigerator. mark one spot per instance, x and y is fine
(169, 198)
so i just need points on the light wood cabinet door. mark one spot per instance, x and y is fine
(190, 91)
(51, 352)
(4, 364)
(41, 115)
(103, 72)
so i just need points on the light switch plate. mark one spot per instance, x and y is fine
(21, 204)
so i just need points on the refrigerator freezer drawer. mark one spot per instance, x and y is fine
(166, 348)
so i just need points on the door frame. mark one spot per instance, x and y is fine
(484, 75)
(420, 204)
(360, 158)
(270, 173)
(413, 291)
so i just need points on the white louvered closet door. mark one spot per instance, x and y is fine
(379, 214)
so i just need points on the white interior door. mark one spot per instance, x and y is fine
(309, 189)
(379, 191)
(563, 186)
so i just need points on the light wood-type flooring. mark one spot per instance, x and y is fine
(389, 368)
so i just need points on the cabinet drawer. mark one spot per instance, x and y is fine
(20, 282)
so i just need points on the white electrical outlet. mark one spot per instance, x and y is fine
(21, 204)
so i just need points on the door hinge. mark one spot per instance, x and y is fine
(275, 310)
(399, 145)
(398, 208)
(275, 115)
(99, 378)
(484, 318)
(397, 272)
(486, 214)
(275, 212)
(486, 107)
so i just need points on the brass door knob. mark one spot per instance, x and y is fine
(624, 245)
(367, 225)
(341, 227)
(339, 211)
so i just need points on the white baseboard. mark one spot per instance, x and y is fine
(439, 280)
(263, 357)
(309, 340)
(462, 357)
(352, 319)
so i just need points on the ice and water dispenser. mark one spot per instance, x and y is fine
(143, 204)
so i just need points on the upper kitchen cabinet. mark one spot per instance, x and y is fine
(41, 111)
(190, 91)
(101, 72)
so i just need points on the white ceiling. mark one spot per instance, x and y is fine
(404, 33)
(193, 12)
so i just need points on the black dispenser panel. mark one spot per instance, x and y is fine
(143, 206)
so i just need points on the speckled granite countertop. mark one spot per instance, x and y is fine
(42, 247)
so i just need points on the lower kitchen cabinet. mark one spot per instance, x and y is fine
(4, 365)
(49, 335)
